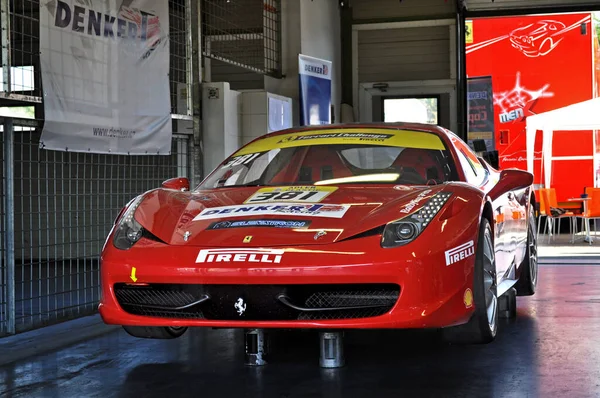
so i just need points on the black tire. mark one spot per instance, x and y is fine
(155, 332)
(527, 284)
(479, 330)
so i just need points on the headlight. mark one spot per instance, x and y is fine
(405, 230)
(128, 230)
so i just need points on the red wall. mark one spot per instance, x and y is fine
(553, 71)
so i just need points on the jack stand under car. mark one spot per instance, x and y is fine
(256, 347)
(331, 345)
(507, 304)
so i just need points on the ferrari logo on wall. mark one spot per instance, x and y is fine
(469, 32)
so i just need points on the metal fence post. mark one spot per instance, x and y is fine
(6, 53)
(9, 211)
(196, 158)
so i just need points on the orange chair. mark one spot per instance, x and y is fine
(542, 211)
(593, 208)
(549, 201)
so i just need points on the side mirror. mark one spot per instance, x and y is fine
(511, 179)
(179, 183)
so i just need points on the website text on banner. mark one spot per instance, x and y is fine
(105, 73)
(315, 90)
(481, 111)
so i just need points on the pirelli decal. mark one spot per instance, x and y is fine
(460, 253)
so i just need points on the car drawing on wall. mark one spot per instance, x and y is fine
(539, 38)
(348, 226)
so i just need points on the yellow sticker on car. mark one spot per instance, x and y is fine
(468, 298)
(295, 194)
(385, 137)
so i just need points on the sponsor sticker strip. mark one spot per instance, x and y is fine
(308, 194)
(387, 137)
(259, 223)
(295, 209)
(459, 253)
(413, 203)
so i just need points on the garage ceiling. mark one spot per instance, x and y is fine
(508, 5)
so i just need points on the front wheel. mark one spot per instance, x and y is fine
(155, 332)
(483, 325)
(527, 283)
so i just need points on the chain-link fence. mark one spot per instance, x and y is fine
(245, 33)
(64, 206)
(64, 203)
(56, 208)
(4, 277)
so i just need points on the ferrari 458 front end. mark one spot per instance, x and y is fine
(415, 271)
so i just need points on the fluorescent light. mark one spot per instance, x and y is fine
(387, 177)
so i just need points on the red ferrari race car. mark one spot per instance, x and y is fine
(330, 227)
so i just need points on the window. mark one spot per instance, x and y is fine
(412, 110)
(335, 164)
(371, 158)
(474, 171)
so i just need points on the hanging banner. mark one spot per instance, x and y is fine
(480, 102)
(315, 90)
(105, 74)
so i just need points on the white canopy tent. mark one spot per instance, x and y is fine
(576, 117)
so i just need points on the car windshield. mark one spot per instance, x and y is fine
(337, 157)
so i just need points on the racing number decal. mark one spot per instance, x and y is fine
(291, 194)
(299, 196)
(241, 160)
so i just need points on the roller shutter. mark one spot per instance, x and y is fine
(404, 54)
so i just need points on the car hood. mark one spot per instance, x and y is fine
(179, 218)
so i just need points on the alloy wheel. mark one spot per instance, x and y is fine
(489, 281)
(533, 255)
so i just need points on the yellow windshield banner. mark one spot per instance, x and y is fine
(383, 137)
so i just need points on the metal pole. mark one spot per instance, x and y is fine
(9, 208)
(195, 24)
(6, 53)
(461, 75)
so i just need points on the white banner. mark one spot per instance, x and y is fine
(105, 76)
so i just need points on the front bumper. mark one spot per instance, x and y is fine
(430, 293)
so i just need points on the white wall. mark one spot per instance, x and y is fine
(220, 124)
(309, 27)
(321, 38)
(290, 39)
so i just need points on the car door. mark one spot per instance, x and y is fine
(519, 200)
(504, 222)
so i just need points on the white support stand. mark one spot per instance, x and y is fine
(507, 305)
(331, 350)
(256, 347)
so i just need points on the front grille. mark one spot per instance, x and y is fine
(376, 302)
(158, 300)
(349, 298)
(259, 302)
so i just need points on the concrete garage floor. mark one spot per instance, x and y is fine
(551, 349)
